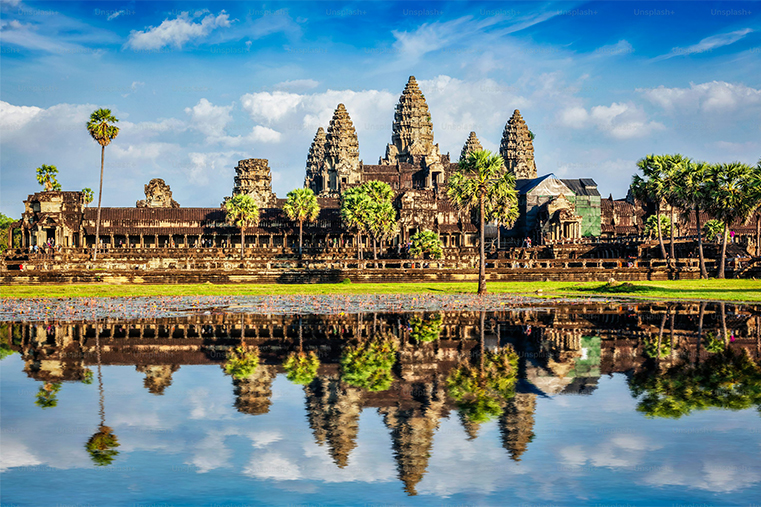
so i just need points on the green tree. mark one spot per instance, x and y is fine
(242, 211)
(46, 176)
(368, 364)
(5, 224)
(241, 362)
(650, 188)
(425, 330)
(651, 225)
(426, 243)
(301, 367)
(301, 206)
(103, 130)
(355, 206)
(672, 182)
(47, 396)
(87, 195)
(482, 183)
(734, 196)
(102, 446)
(693, 196)
(714, 229)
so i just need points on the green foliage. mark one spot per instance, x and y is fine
(368, 364)
(483, 176)
(426, 243)
(46, 176)
(346, 281)
(87, 195)
(101, 126)
(712, 343)
(651, 347)
(714, 230)
(242, 211)
(301, 205)
(5, 223)
(369, 209)
(425, 330)
(727, 380)
(47, 396)
(480, 390)
(102, 447)
(242, 362)
(301, 367)
(651, 225)
(87, 377)
(5, 351)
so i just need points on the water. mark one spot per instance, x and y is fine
(582, 425)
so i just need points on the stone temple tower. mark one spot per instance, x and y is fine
(316, 175)
(341, 162)
(471, 145)
(412, 135)
(253, 177)
(517, 148)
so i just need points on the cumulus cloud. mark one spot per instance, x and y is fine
(208, 119)
(619, 120)
(297, 85)
(177, 32)
(708, 44)
(715, 96)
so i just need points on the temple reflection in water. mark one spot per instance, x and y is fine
(560, 351)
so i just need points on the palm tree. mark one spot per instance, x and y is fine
(649, 188)
(381, 221)
(301, 206)
(482, 182)
(102, 129)
(102, 445)
(425, 243)
(46, 176)
(242, 211)
(355, 206)
(672, 185)
(734, 195)
(87, 195)
(693, 197)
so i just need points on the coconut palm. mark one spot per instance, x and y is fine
(46, 176)
(242, 211)
(102, 129)
(301, 206)
(482, 183)
(734, 194)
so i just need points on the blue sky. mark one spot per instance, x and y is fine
(200, 85)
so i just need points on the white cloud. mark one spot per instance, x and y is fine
(272, 466)
(621, 47)
(708, 44)
(115, 15)
(16, 117)
(208, 119)
(176, 32)
(270, 106)
(619, 120)
(714, 96)
(15, 454)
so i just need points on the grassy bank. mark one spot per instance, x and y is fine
(714, 290)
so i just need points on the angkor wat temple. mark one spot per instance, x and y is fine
(553, 211)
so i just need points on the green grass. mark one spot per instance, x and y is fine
(714, 290)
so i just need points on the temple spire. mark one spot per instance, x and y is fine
(412, 130)
(342, 162)
(471, 145)
(316, 176)
(517, 148)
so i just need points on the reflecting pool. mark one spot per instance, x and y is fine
(373, 401)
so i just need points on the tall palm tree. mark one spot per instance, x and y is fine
(102, 445)
(242, 211)
(672, 184)
(650, 188)
(381, 221)
(734, 195)
(102, 129)
(482, 182)
(693, 197)
(301, 206)
(46, 176)
(355, 206)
